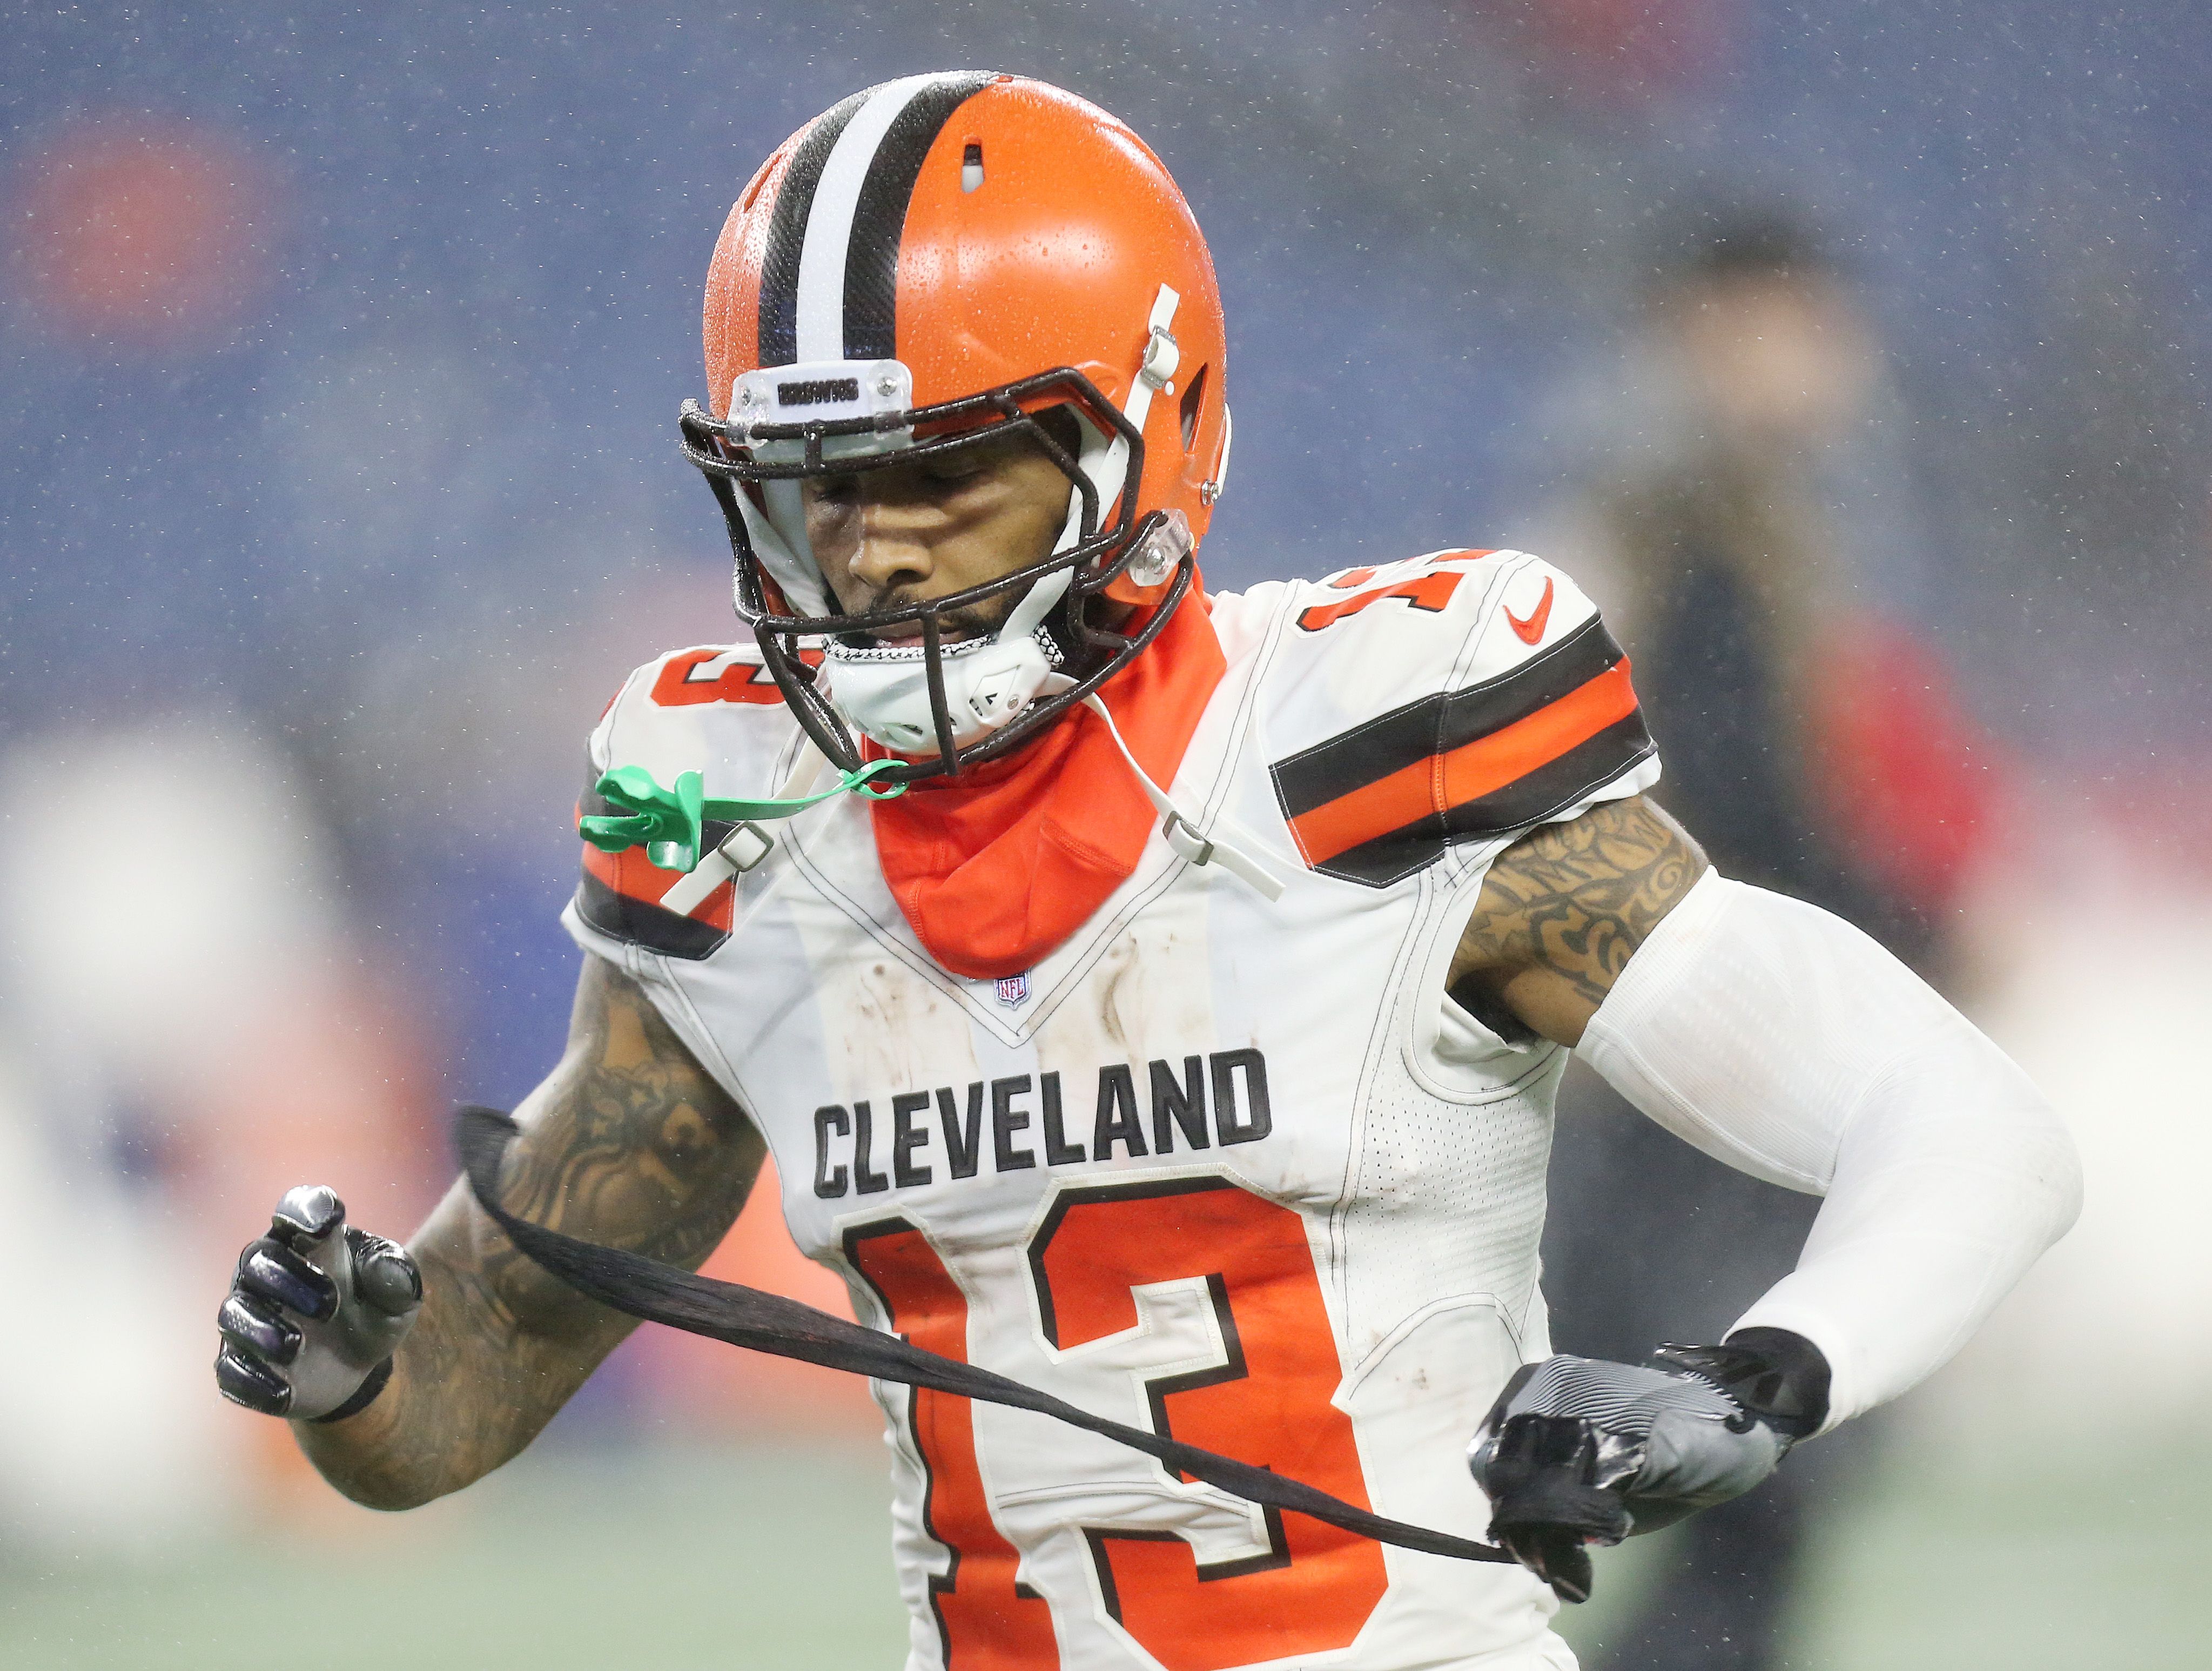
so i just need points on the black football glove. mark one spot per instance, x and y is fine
(315, 1311)
(1578, 1450)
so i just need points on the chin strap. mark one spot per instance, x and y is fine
(1184, 836)
(1163, 358)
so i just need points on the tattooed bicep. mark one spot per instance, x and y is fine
(626, 1061)
(630, 1143)
(1564, 907)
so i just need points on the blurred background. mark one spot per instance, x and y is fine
(1853, 357)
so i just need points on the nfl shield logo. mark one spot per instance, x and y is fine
(1014, 989)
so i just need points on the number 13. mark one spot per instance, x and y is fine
(1269, 1405)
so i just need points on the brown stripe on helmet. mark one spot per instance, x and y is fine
(880, 217)
(787, 232)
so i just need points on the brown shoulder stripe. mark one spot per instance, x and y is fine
(1385, 799)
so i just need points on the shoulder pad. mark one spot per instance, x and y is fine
(681, 705)
(714, 710)
(1462, 696)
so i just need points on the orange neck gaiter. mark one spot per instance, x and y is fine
(996, 868)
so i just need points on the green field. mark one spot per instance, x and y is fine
(681, 1559)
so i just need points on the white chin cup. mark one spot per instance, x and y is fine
(884, 690)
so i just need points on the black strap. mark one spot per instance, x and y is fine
(657, 1293)
(363, 1395)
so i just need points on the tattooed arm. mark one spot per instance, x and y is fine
(628, 1143)
(1562, 911)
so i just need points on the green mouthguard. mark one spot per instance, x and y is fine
(669, 823)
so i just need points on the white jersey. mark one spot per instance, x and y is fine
(1233, 1169)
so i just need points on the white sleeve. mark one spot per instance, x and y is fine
(1781, 1040)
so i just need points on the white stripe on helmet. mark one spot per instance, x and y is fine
(820, 319)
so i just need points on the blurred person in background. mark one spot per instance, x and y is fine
(183, 1032)
(1745, 514)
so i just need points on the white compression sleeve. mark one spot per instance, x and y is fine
(1781, 1040)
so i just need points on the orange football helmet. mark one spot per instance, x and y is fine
(927, 266)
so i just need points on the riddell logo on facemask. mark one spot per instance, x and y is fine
(1022, 1123)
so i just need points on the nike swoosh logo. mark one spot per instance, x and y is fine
(1530, 630)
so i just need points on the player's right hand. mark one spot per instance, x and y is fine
(315, 1311)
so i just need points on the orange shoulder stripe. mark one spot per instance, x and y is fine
(1442, 781)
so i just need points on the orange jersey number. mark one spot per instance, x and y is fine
(685, 679)
(1268, 1404)
(1423, 588)
(986, 1621)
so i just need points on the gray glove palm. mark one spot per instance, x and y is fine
(1578, 1451)
(315, 1311)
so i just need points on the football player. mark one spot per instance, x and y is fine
(1155, 997)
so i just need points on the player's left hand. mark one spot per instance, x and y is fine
(1579, 1451)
